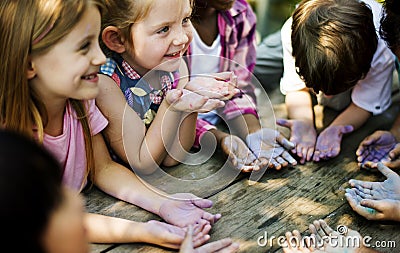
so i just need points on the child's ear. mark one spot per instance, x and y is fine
(30, 71)
(112, 38)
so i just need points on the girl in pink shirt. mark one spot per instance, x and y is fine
(51, 100)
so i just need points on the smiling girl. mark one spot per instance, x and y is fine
(48, 83)
(145, 41)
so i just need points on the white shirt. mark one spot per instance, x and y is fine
(204, 58)
(373, 93)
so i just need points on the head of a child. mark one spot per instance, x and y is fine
(390, 25)
(44, 24)
(333, 43)
(38, 213)
(49, 50)
(219, 5)
(147, 33)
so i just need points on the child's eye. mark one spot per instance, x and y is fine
(186, 20)
(163, 30)
(85, 47)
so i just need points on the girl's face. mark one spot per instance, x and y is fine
(69, 69)
(65, 232)
(164, 35)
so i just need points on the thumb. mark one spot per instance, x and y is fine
(187, 243)
(385, 170)
(372, 204)
(203, 203)
(284, 123)
(173, 95)
(347, 129)
(285, 142)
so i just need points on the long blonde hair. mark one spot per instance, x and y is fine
(32, 27)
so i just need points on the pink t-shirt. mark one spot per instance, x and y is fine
(69, 147)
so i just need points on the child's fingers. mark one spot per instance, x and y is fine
(284, 123)
(289, 158)
(285, 142)
(187, 243)
(223, 245)
(386, 171)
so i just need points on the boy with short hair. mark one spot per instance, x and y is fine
(333, 46)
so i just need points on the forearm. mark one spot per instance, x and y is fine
(105, 229)
(244, 125)
(299, 105)
(121, 183)
(352, 115)
(181, 145)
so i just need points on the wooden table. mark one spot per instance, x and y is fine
(280, 201)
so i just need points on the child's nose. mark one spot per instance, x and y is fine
(98, 57)
(181, 37)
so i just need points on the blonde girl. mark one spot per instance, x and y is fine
(145, 41)
(48, 82)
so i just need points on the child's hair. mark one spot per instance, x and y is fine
(390, 24)
(333, 43)
(123, 14)
(30, 190)
(30, 28)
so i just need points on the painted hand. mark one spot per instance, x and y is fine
(183, 209)
(217, 85)
(385, 209)
(303, 136)
(224, 245)
(239, 154)
(388, 189)
(321, 232)
(171, 236)
(187, 101)
(377, 147)
(270, 147)
(328, 142)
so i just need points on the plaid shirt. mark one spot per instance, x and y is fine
(237, 28)
(139, 94)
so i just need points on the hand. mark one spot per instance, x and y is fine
(187, 101)
(225, 245)
(388, 189)
(217, 85)
(385, 209)
(183, 209)
(321, 232)
(291, 247)
(171, 236)
(303, 136)
(329, 140)
(270, 146)
(239, 154)
(375, 147)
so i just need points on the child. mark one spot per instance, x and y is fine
(332, 46)
(52, 101)
(33, 199)
(383, 145)
(151, 35)
(225, 32)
